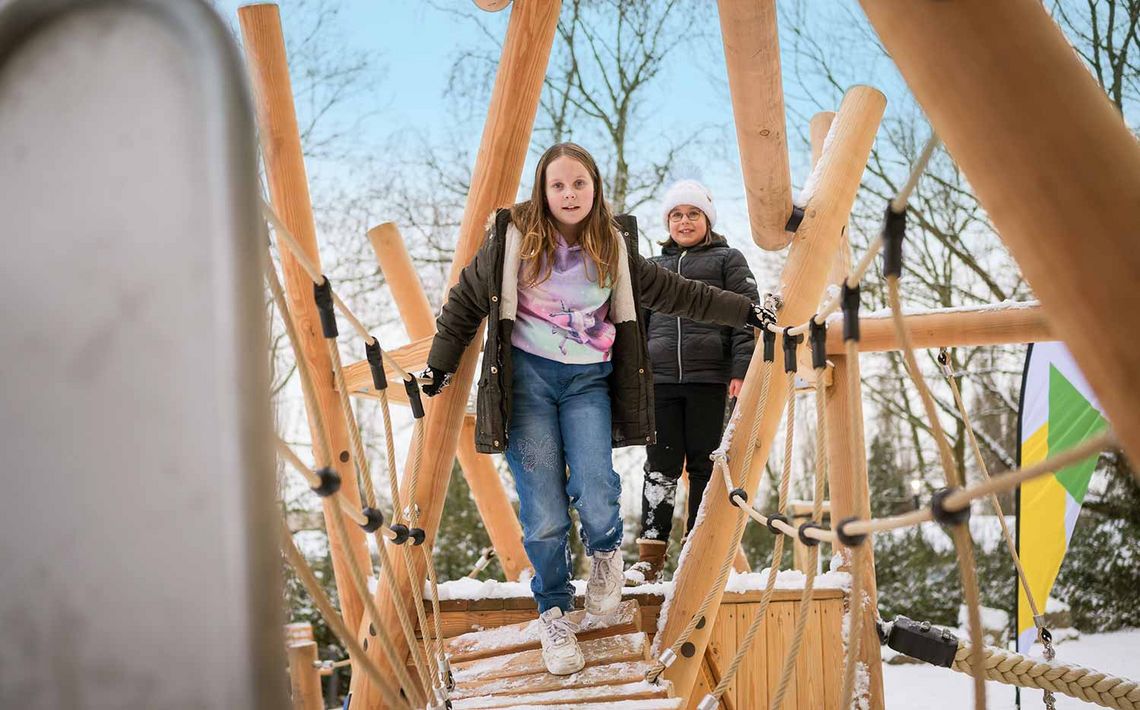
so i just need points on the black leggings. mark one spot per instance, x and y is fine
(690, 420)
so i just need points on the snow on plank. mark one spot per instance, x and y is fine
(611, 649)
(640, 690)
(611, 674)
(652, 704)
(524, 636)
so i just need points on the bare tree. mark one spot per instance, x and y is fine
(1106, 34)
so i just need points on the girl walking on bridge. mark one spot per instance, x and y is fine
(566, 374)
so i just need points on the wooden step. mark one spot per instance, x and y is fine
(525, 635)
(611, 649)
(646, 704)
(610, 674)
(640, 690)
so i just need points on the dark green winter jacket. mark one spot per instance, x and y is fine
(488, 288)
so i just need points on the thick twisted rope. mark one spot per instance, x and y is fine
(777, 553)
(963, 544)
(857, 562)
(324, 458)
(333, 618)
(806, 599)
(1075, 681)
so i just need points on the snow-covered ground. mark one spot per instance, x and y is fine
(932, 688)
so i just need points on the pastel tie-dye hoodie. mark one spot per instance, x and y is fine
(566, 317)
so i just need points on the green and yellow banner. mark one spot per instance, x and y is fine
(1058, 411)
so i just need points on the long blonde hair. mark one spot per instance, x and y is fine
(539, 235)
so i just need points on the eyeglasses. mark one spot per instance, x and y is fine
(691, 215)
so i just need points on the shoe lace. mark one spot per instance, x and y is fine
(599, 576)
(559, 630)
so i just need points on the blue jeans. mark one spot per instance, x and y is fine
(560, 420)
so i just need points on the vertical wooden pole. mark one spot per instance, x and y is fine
(847, 465)
(305, 677)
(802, 282)
(495, 508)
(1063, 189)
(289, 192)
(494, 183)
(752, 57)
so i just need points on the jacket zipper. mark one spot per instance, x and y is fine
(680, 369)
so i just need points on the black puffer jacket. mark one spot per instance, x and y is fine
(684, 350)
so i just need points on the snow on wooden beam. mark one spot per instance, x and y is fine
(752, 57)
(1000, 324)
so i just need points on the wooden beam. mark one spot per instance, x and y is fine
(847, 463)
(1063, 189)
(494, 183)
(499, 517)
(802, 283)
(752, 57)
(951, 327)
(305, 676)
(289, 192)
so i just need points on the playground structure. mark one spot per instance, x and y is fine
(1060, 190)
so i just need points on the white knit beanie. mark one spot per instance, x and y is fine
(689, 192)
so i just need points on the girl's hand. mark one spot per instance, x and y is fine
(734, 387)
(434, 380)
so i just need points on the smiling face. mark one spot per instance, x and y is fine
(569, 195)
(688, 225)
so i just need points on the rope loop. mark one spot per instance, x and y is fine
(803, 536)
(773, 519)
(735, 494)
(330, 482)
(849, 540)
(944, 515)
(374, 519)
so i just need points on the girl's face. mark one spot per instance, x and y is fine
(687, 225)
(569, 194)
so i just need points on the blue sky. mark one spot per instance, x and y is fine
(414, 45)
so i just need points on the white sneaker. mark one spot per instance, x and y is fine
(560, 651)
(603, 590)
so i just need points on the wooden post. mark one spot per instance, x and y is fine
(983, 325)
(1063, 189)
(802, 282)
(752, 57)
(289, 191)
(847, 461)
(486, 487)
(305, 677)
(494, 183)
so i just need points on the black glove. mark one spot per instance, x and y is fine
(761, 316)
(436, 381)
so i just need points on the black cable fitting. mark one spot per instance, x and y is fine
(401, 533)
(450, 680)
(790, 343)
(413, 389)
(844, 538)
(769, 339)
(1046, 635)
(850, 305)
(817, 336)
(946, 517)
(795, 219)
(773, 519)
(322, 294)
(376, 364)
(802, 533)
(922, 640)
(418, 536)
(894, 231)
(374, 518)
(943, 358)
(330, 482)
(737, 493)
